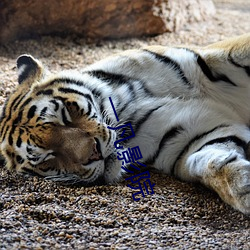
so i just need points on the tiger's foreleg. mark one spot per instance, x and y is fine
(224, 169)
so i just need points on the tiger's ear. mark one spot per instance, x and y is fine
(30, 70)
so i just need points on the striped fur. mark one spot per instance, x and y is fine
(188, 108)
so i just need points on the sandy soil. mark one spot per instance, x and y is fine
(37, 214)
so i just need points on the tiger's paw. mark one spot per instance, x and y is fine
(231, 180)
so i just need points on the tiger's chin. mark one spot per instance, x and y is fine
(113, 171)
(108, 172)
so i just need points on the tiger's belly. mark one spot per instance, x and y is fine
(164, 132)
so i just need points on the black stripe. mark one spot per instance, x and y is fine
(64, 117)
(67, 81)
(2, 161)
(118, 79)
(247, 69)
(145, 117)
(123, 108)
(132, 97)
(10, 139)
(19, 142)
(21, 131)
(16, 101)
(3, 135)
(232, 160)
(70, 91)
(213, 77)
(206, 70)
(232, 138)
(94, 116)
(42, 114)
(96, 92)
(231, 60)
(31, 112)
(16, 121)
(132, 90)
(89, 109)
(195, 139)
(13, 128)
(173, 64)
(45, 92)
(29, 149)
(73, 91)
(19, 118)
(3, 113)
(26, 103)
(60, 98)
(35, 158)
(19, 159)
(56, 105)
(43, 111)
(10, 109)
(146, 90)
(3, 127)
(169, 135)
(109, 77)
(3, 124)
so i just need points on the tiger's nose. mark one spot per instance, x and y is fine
(96, 153)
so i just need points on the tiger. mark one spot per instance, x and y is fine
(188, 107)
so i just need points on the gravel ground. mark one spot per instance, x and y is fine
(37, 214)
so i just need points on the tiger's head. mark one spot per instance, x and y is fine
(51, 126)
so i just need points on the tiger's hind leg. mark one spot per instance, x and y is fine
(226, 171)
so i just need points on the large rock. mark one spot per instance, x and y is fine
(97, 18)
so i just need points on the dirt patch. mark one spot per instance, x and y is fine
(37, 214)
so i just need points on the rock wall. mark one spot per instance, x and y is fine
(98, 19)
